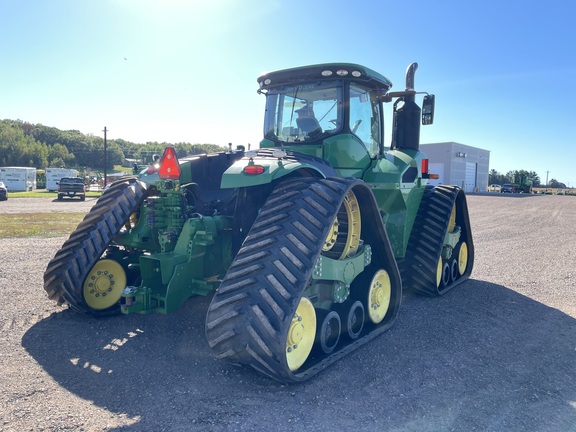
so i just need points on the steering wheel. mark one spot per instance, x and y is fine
(355, 125)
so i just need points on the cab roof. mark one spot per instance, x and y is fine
(325, 71)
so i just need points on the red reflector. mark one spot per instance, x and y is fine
(253, 169)
(169, 166)
(424, 166)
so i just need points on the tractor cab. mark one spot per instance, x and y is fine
(335, 112)
(332, 111)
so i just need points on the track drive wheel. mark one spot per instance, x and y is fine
(104, 284)
(452, 220)
(301, 334)
(439, 271)
(379, 296)
(462, 258)
(343, 238)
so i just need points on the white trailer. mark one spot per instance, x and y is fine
(53, 176)
(18, 178)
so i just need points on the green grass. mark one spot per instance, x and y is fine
(44, 194)
(38, 224)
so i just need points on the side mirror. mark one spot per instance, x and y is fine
(428, 109)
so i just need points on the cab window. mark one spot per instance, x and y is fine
(303, 113)
(365, 117)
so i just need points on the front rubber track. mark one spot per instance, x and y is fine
(64, 277)
(249, 316)
(419, 266)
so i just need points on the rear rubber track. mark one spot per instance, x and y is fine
(418, 268)
(64, 277)
(249, 316)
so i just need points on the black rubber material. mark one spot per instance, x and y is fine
(328, 330)
(64, 277)
(250, 314)
(354, 319)
(419, 266)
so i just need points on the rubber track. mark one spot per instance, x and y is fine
(249, 316)
(64, 277)
(419, 267)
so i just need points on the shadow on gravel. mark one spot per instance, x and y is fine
(73, 200)
(482, 357)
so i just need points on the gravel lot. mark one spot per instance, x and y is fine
(35, 205)
(498, 353)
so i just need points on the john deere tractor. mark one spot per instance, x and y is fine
(305, 244)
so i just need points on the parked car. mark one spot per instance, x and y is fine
(494, 188)
(3, 192)
(71, 187)
(507, 188)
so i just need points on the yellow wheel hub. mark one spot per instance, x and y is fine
(343, 239)
(301, 334)
(354, 227)
(379, 296)
(462, 258)
(331, 237)
(104, 284)
(439, 272)
(452, 221)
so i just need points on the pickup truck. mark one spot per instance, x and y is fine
(71, 187)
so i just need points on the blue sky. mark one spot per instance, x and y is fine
(503, 72)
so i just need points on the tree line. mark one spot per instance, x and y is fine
(494, 177)
(35, 145)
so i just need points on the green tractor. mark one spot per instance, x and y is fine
(305, 244)
(522, 183)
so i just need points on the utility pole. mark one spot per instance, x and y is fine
(547, 179)
(105, 159)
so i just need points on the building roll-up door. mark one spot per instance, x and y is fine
(470, 182)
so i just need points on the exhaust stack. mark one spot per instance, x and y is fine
(406, 121)
(410, 72)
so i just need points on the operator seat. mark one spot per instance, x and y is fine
(309, 125)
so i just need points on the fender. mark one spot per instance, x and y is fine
(274, 164)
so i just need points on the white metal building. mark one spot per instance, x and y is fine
(458, 164)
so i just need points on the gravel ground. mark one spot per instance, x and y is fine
(35, 205)
(497, 353)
